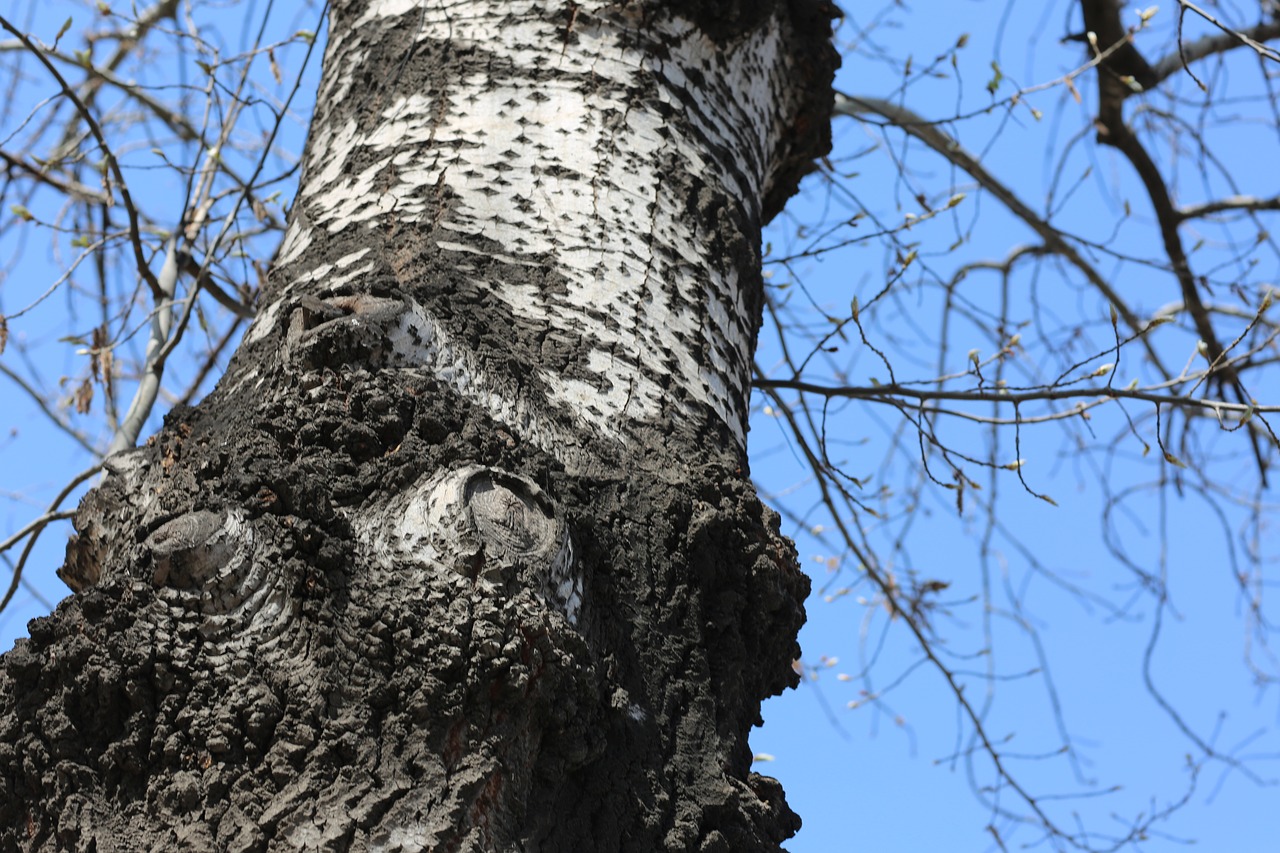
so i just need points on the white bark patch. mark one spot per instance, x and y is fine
(570, 171)
(418, 340)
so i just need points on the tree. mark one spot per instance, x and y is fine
(1116, 306)
(462, 553)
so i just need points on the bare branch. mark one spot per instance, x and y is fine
(144, 398)
(72, 189)
(34, 528)
(43, 404)
(1015, 397)
(1103, 16)
(1236, 203)
(135, 234)
(928, 133)
(1202, 48)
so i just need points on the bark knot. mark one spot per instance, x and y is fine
(497, 528)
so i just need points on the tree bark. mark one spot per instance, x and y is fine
(462, 553)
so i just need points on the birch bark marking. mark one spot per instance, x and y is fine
(602, 200)
(462, 553)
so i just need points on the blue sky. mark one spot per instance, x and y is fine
(891, 775)
(884, 778)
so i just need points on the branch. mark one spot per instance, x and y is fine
(144, 398)
(1239, 202)
(50, 413)
(1207, 46)
(885, 583)
(1103, 16)
(135, 234)
(74, 189)
(1002, 396)
(928, 133)
(133, 36)
(34, 529)
(204, 281)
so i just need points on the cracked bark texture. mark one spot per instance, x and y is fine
(462, 553)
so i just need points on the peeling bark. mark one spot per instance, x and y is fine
(462, 553)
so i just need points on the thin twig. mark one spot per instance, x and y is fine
(135, 233)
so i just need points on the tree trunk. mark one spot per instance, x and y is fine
(462, 553)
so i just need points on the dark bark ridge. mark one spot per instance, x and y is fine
(382, 590)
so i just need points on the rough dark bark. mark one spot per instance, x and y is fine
(399, 583)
